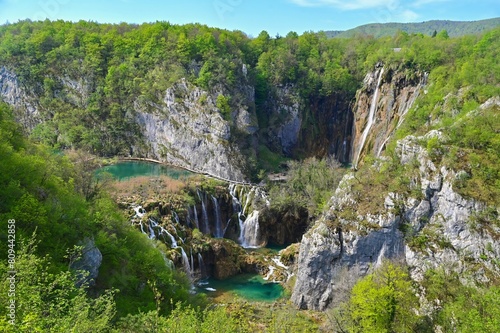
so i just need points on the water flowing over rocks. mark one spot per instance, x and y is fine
(389, 93)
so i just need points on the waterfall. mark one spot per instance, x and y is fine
(177, 233)
(192, 260)
(236, 202)
(142, 228)
(194, 217)
(151, 230)
(204, 214)
(218, 221)
(203, 270)
(237, 208)
(371, 118)
(249, 231)
(185, 262)
(249, 227)
(172, 239)
(176, 217)
(139, 211)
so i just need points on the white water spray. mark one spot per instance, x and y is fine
(218, 221)
(371, 119)
(249, 236)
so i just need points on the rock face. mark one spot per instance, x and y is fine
(439, 231)
(285, 114)
(188, 130)
(397, 92)
(11, 92)
(319, 126)
(185, 128)
(89, 262)
(283, 227)
(326, 251)
(448, 223)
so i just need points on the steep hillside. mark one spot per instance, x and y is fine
(127, 90)
(454, 28)
(430, 202)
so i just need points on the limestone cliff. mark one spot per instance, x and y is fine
(13, 93)
(391, 93)
(433, 226)
(184, 127)
(187, 129)
(315, 126)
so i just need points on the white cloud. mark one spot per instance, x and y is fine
(348, 5)
(408, 16)
(419, 3)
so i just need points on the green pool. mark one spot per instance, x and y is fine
(248, 286)
(129, 169)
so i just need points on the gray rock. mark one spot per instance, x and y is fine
(188, 130)
(12, 93)
(89, 263)
(440, 214)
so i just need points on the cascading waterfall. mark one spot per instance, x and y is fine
(185, 263)
(249, 226)
(249, 235)
(218, 221)
(203, 270)
(139, 211)
(194, 217)
(176, 217)
(151, 230)
(371, 119)
(172, 239)
(204, 214)
(192, 260)
(235, 201)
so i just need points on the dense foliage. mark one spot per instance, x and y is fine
(430, 28)
(39, 191)
(57, 203)
(309, 185)
(385, 301)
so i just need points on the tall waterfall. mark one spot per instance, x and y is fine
(218, 221)
(193, 218)
(151, 230)
(371, 119)
(204, 214)
(176, 217)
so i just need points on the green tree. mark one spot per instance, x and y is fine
(48, 302)
(383, 301)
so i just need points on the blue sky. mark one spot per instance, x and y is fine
(253, 16)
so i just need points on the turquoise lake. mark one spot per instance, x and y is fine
(129, 169)
(248, 286)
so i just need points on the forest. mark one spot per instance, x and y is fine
(56, 201)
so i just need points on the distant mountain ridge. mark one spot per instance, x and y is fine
(454, 28)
